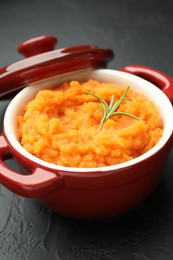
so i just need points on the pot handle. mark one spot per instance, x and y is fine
(163, 81)
(39, 183)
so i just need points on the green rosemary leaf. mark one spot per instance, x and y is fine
(130, 99)
(111, 102)
(101, 110)
(109, 110)
(101, 100)
(116, 105)
(125, 114)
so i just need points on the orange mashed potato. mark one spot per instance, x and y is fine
(61, 125)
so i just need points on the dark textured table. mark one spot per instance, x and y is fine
(138, 32)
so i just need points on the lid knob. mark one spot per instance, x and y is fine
(37, 45)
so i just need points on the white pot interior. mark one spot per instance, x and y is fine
(142, 86)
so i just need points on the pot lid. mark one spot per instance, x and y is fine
(43, 62)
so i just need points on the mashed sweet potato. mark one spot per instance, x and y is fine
(61, 125)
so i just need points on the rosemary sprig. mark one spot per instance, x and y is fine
(109, 110)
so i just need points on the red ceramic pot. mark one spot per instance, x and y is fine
(83, 193)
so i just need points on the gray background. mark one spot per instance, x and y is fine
(138, 32)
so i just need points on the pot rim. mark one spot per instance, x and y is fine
(147, 88)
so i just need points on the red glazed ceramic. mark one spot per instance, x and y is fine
(85, 193)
